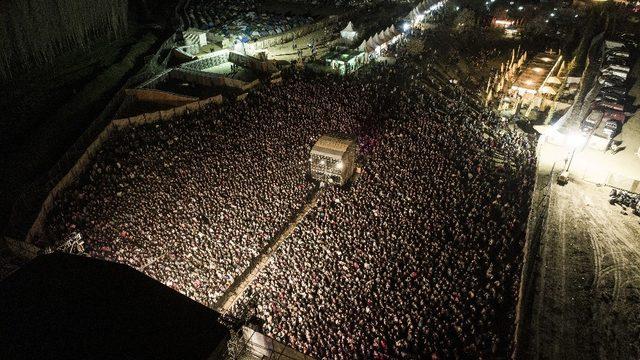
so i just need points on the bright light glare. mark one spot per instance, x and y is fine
(552, 14)
(520, 7)
(575, 141)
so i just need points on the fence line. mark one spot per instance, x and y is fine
(535, 227)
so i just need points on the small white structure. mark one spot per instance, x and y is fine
(348, 33)
(333, 159)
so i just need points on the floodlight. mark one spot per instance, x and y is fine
(576, 140)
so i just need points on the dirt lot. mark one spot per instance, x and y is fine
(587, 289)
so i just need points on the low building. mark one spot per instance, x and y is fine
(345, 61)
(333, 159)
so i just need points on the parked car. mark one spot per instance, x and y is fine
(619, 53)
(611, 128)
(612, 60)
(609, 96)
(616, 61)
(616, 73)
(601, 105)
(616, 115)
(591, 122)
(608, 80)
(616, 67)
(614, 89)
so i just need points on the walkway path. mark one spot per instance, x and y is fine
(226, 302)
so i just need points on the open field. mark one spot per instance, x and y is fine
(588, 285)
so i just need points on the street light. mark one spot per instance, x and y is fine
(574, 141)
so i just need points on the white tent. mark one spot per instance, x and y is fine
(388, 34)
(371, 43)
(348, 33)
(377, 40)
(363, 46)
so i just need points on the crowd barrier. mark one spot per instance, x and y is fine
(264, 66)
(536, 222)
(154, 81)
(161, 96)
(210, 79)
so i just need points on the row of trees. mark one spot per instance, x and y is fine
(34, 32)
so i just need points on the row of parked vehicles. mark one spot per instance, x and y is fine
(608, 106)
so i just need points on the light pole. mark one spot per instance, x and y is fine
(574, 141)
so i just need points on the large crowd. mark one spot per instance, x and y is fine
(192, 201)
(419, 257)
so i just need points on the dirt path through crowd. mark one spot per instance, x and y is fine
(240, 283)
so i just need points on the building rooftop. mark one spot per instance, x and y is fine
(536, 72)
(73, 307)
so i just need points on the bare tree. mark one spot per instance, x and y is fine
(34, 32)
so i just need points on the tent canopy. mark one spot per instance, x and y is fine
(349, 27)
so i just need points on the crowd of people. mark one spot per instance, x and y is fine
(192, 201)
(419, 257)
